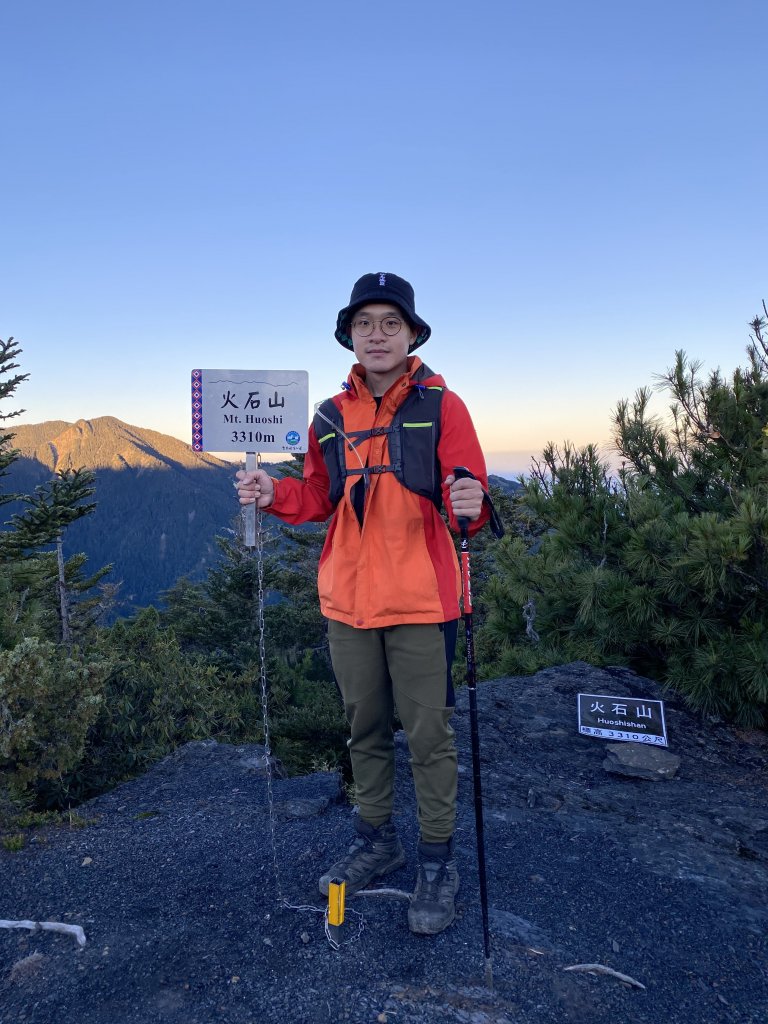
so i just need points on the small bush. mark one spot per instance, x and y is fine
(48, 702)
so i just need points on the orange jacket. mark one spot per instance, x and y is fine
(401, 566)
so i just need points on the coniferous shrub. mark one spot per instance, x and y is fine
(663, 567)
(48, 702)
(155, 699)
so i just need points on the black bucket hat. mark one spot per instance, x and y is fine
(381, 288)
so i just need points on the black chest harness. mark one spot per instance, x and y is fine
(412, 436)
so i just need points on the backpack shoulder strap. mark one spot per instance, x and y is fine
(328, 424)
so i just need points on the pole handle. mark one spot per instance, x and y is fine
(462, 473)
(497, 527)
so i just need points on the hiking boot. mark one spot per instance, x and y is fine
(373, 853)
(432, 905)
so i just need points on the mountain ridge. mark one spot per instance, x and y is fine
(159, 504)
(82, 443)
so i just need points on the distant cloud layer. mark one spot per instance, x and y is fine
(509, 463)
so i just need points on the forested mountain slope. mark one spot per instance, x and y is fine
(159, 504)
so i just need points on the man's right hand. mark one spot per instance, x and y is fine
(255, 486)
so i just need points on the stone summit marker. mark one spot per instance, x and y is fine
(622, 718)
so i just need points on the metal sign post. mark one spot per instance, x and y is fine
(252, 462)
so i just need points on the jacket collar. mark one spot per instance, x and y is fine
(417, 373)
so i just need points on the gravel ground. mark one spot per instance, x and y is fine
(174, 882)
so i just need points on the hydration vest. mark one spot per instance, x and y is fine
(413, 434)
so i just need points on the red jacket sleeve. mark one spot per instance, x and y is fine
(306, 500)
(459, 446)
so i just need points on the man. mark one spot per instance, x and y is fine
(381, 461)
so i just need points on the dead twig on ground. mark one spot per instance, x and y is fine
(602, 969)
(48, 926)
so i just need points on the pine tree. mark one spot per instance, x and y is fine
(20, 611)
(49, 698)
(8, 455)
(665, 567)
(53, 507)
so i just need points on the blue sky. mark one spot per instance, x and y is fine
(575, 190)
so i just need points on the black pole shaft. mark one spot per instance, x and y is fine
(475, 742)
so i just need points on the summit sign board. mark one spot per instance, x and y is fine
(622, 718)
(261, 411)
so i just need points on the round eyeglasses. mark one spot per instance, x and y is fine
(363, 325)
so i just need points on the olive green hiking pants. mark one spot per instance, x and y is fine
(407, 667)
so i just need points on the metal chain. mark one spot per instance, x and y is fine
(263, 682)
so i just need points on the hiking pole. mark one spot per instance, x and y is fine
(466, 589)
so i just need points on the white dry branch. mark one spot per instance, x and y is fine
(48, 926)
(393, 894)
(602, 969)
(529, 614)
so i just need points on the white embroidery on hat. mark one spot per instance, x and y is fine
(382, 280)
